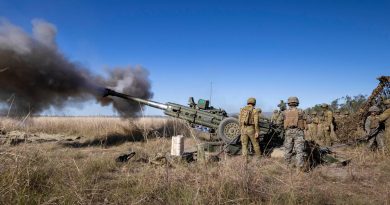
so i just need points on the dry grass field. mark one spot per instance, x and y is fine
(71, 160)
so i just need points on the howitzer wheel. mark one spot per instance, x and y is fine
(229, 129)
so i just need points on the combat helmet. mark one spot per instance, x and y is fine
(324, 105)
(293, 100)
(313, 113)
(337, 111)
(374, 109)
(386, 102)
(251, 101)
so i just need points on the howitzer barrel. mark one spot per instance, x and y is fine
(109, 92)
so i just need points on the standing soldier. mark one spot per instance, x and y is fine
(326, 126)
(249, 124)
(275, 116)
(337, 117)
(374, 129)
(276, 113)
(385, 118)
(312, 126)
(282, 106)
(294, 120)
(336, 121)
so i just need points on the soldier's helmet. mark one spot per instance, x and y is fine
(313, 113)
(276, 111)
(386, 102)
(337, 111)
(346, 113)
(374, 109)
(324, 105)
(293, 100)
(251, 101)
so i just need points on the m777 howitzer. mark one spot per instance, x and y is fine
(217, 121)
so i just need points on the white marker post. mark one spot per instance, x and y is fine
(177, 147)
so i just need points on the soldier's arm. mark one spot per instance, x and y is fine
(256, 116)
(280, 119)
(385, 115)
(367, 125)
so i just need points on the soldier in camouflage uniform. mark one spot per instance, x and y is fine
(249, 125)
(276, 113)
(385, 118)
(372, 124)
(282, 106)
(337, 118)
(326, 132)
(275, 116)
(336, 121)
(294, 122)
(312, 127)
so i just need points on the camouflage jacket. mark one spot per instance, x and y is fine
(254, 117)
(301, 117)
(385, 117)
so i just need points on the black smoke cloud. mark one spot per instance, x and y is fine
(35, 75)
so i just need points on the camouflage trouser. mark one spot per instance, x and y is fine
(379, 139)
(295, 141)
(311, 132)
(248, 133)
(324, 135)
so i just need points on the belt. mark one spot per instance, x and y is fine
(292, 127)
(249, 125)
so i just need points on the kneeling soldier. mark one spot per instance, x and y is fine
(294, 121)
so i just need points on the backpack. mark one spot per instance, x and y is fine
(246, 117)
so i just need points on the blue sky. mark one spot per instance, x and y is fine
(316, 50)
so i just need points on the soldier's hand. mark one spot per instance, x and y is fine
(257, 135)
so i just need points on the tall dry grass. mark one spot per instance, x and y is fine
(95, 130)
(53, 174)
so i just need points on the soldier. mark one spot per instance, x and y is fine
(371, 126)
(275, 116)
(294, 121)
(282, 106)
(326, 132)
(312, 126)
(276, 113)
(336, 121)
(249, 125)
(385, 118)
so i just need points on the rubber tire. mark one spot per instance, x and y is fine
(222, 125)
